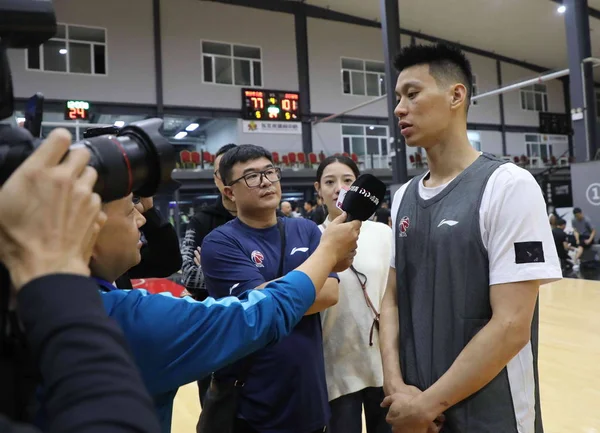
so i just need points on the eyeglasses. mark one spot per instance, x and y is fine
(254, 180)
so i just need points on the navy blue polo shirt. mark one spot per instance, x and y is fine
(286, 389)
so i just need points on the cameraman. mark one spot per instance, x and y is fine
(49, 222)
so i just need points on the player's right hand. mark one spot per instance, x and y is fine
(341, 240)
(49, 216)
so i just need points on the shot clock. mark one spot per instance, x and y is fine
(77, 110)
(270, 105)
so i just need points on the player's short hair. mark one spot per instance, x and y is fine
(447, 64)
(241, 153)
(560, 222)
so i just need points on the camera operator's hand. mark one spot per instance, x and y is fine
(341, 239)
(49, 215)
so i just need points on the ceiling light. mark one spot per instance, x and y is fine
(180, 135)
(119, 124)
(20, 120)
(63, 51)
(371, 128)
(561, 9)
(192, 127)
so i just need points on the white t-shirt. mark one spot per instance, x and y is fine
(512, 210)
(351, 364)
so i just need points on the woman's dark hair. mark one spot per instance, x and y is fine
(342, 159)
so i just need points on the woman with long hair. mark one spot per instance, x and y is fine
(350, 328)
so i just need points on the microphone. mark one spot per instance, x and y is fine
(363, 198)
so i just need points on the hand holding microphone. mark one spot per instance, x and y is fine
(359, 202)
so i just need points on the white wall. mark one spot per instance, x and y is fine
(513, 113)
(327, 137)
(328, 42)
(185, 23)
(515, 144)
(491, 142)
(130, 56)
(219, 133)
(487, 109)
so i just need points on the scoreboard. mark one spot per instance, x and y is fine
(555, 123)
(270, 105)
(77, 110)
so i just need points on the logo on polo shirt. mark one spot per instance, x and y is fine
(298, 250)
(258, 258)
(403, 226)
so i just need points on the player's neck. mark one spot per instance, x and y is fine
(448, 158)
(259, 220)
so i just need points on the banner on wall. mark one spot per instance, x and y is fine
(262, 127)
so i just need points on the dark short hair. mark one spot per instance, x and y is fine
(241, 153)
(576, 210)
(311, 202)
(560, 222)
(446, 63)
(225, 149)
(337, 158)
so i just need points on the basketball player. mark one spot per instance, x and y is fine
(472, 246)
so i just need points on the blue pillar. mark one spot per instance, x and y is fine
(581, 84)
(390, 26)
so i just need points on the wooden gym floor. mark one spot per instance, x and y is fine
(569, 362)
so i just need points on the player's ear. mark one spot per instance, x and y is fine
(318, 188)
(458, 96)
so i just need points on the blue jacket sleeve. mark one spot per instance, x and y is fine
(315, 239)
(227, 270)
(176, 341)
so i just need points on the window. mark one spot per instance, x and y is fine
(368, 142)
(475, 89)
(74, 50)
(534, 98)
(363, 77)
(235, 65)
(537, 146)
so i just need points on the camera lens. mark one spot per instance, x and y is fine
(138, 159)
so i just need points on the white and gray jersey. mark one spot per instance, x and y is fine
(443, 280)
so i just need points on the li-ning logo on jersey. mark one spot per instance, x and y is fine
(258, 258)
(447, 223)
(298, 250)
(403, 226)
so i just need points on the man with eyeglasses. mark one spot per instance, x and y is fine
(284, 385)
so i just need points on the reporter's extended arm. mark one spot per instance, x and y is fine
(508, 331)
(389, 334)
(90, 381)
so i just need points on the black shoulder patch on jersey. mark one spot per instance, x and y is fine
(529, 252)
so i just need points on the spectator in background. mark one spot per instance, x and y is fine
(584, 232)
(201, 224)
(161, 256)
(295, 212)
(383, 214)
(562, 245)
(309, 208)
(286, 209)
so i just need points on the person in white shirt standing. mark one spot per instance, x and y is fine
(350, 328)
(472, 247)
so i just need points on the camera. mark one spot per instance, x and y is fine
(135, 158)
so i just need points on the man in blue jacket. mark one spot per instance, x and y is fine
(177, 341)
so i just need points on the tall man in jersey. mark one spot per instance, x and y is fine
(472, 246)
(285, 390)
